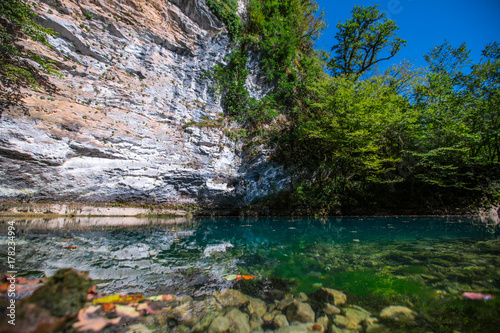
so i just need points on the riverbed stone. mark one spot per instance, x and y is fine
(202, 326)
(219, 325)
(268, 317)
(231, 298)
(301, 297)
(356, 314)
(285, 302)
(255, 322)
(138, 328)
(292, 329)
(280, 321)
(335, 329)
(257, 306)
(323, 321)
(347, 322)
(330, 310)
(315, 328)
(398, 313)
(298, 311)
(238, 321)
(191, 313)
(377, 328)
(328, 295)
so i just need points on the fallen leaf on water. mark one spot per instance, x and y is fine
(96, 324)
(119, 299)
(66, 240)
(69, 247)
(161, 298)
(108, 307)
(246, 277)
(128, 311)
(230, 277)
(355, 240)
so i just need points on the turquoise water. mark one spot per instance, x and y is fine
(425, 263)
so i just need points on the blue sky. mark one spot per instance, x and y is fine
(425, 24)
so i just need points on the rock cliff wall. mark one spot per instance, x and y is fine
(120, 127)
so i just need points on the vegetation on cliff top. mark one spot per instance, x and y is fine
(20, 67)
(404, 138)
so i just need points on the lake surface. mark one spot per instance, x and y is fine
(423, 262)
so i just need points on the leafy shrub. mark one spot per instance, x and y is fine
(225, 10)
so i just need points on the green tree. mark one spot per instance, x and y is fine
(363, 41)
(456, 125)
(347, 139)
(17, 22)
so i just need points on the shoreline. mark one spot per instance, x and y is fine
(52, 210)
(72, 209)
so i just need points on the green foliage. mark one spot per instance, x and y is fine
(347, 137)
(17, 21)
(225, 10)
(362, 40)
(230, 80)
(403, 139)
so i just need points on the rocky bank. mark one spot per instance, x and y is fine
(135, 118)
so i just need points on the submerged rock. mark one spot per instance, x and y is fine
(231, 298)
(301, 297)
(257, 306)
(219, 325)
(285, 302)
(139, 328)
(255, 322)
(331, 310)
(203, 325)
(280, 321)
(327, 295)
(302, 312)
(398, 313)
(323, 321)
(292, 329)
(239, 321)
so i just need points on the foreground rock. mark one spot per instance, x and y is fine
(226, 311)
(51, 306)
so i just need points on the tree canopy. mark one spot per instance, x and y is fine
(363, 41)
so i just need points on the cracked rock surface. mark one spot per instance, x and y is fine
(122, 126)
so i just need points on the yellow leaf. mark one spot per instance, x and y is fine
(119, 299)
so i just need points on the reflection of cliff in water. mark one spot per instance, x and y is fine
(98, 222)
(182, 256)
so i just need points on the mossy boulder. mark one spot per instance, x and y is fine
(64, 293)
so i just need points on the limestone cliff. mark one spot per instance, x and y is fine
(118, 129)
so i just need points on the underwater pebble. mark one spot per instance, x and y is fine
(398, 313)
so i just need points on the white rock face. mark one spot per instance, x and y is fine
(120, 127)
